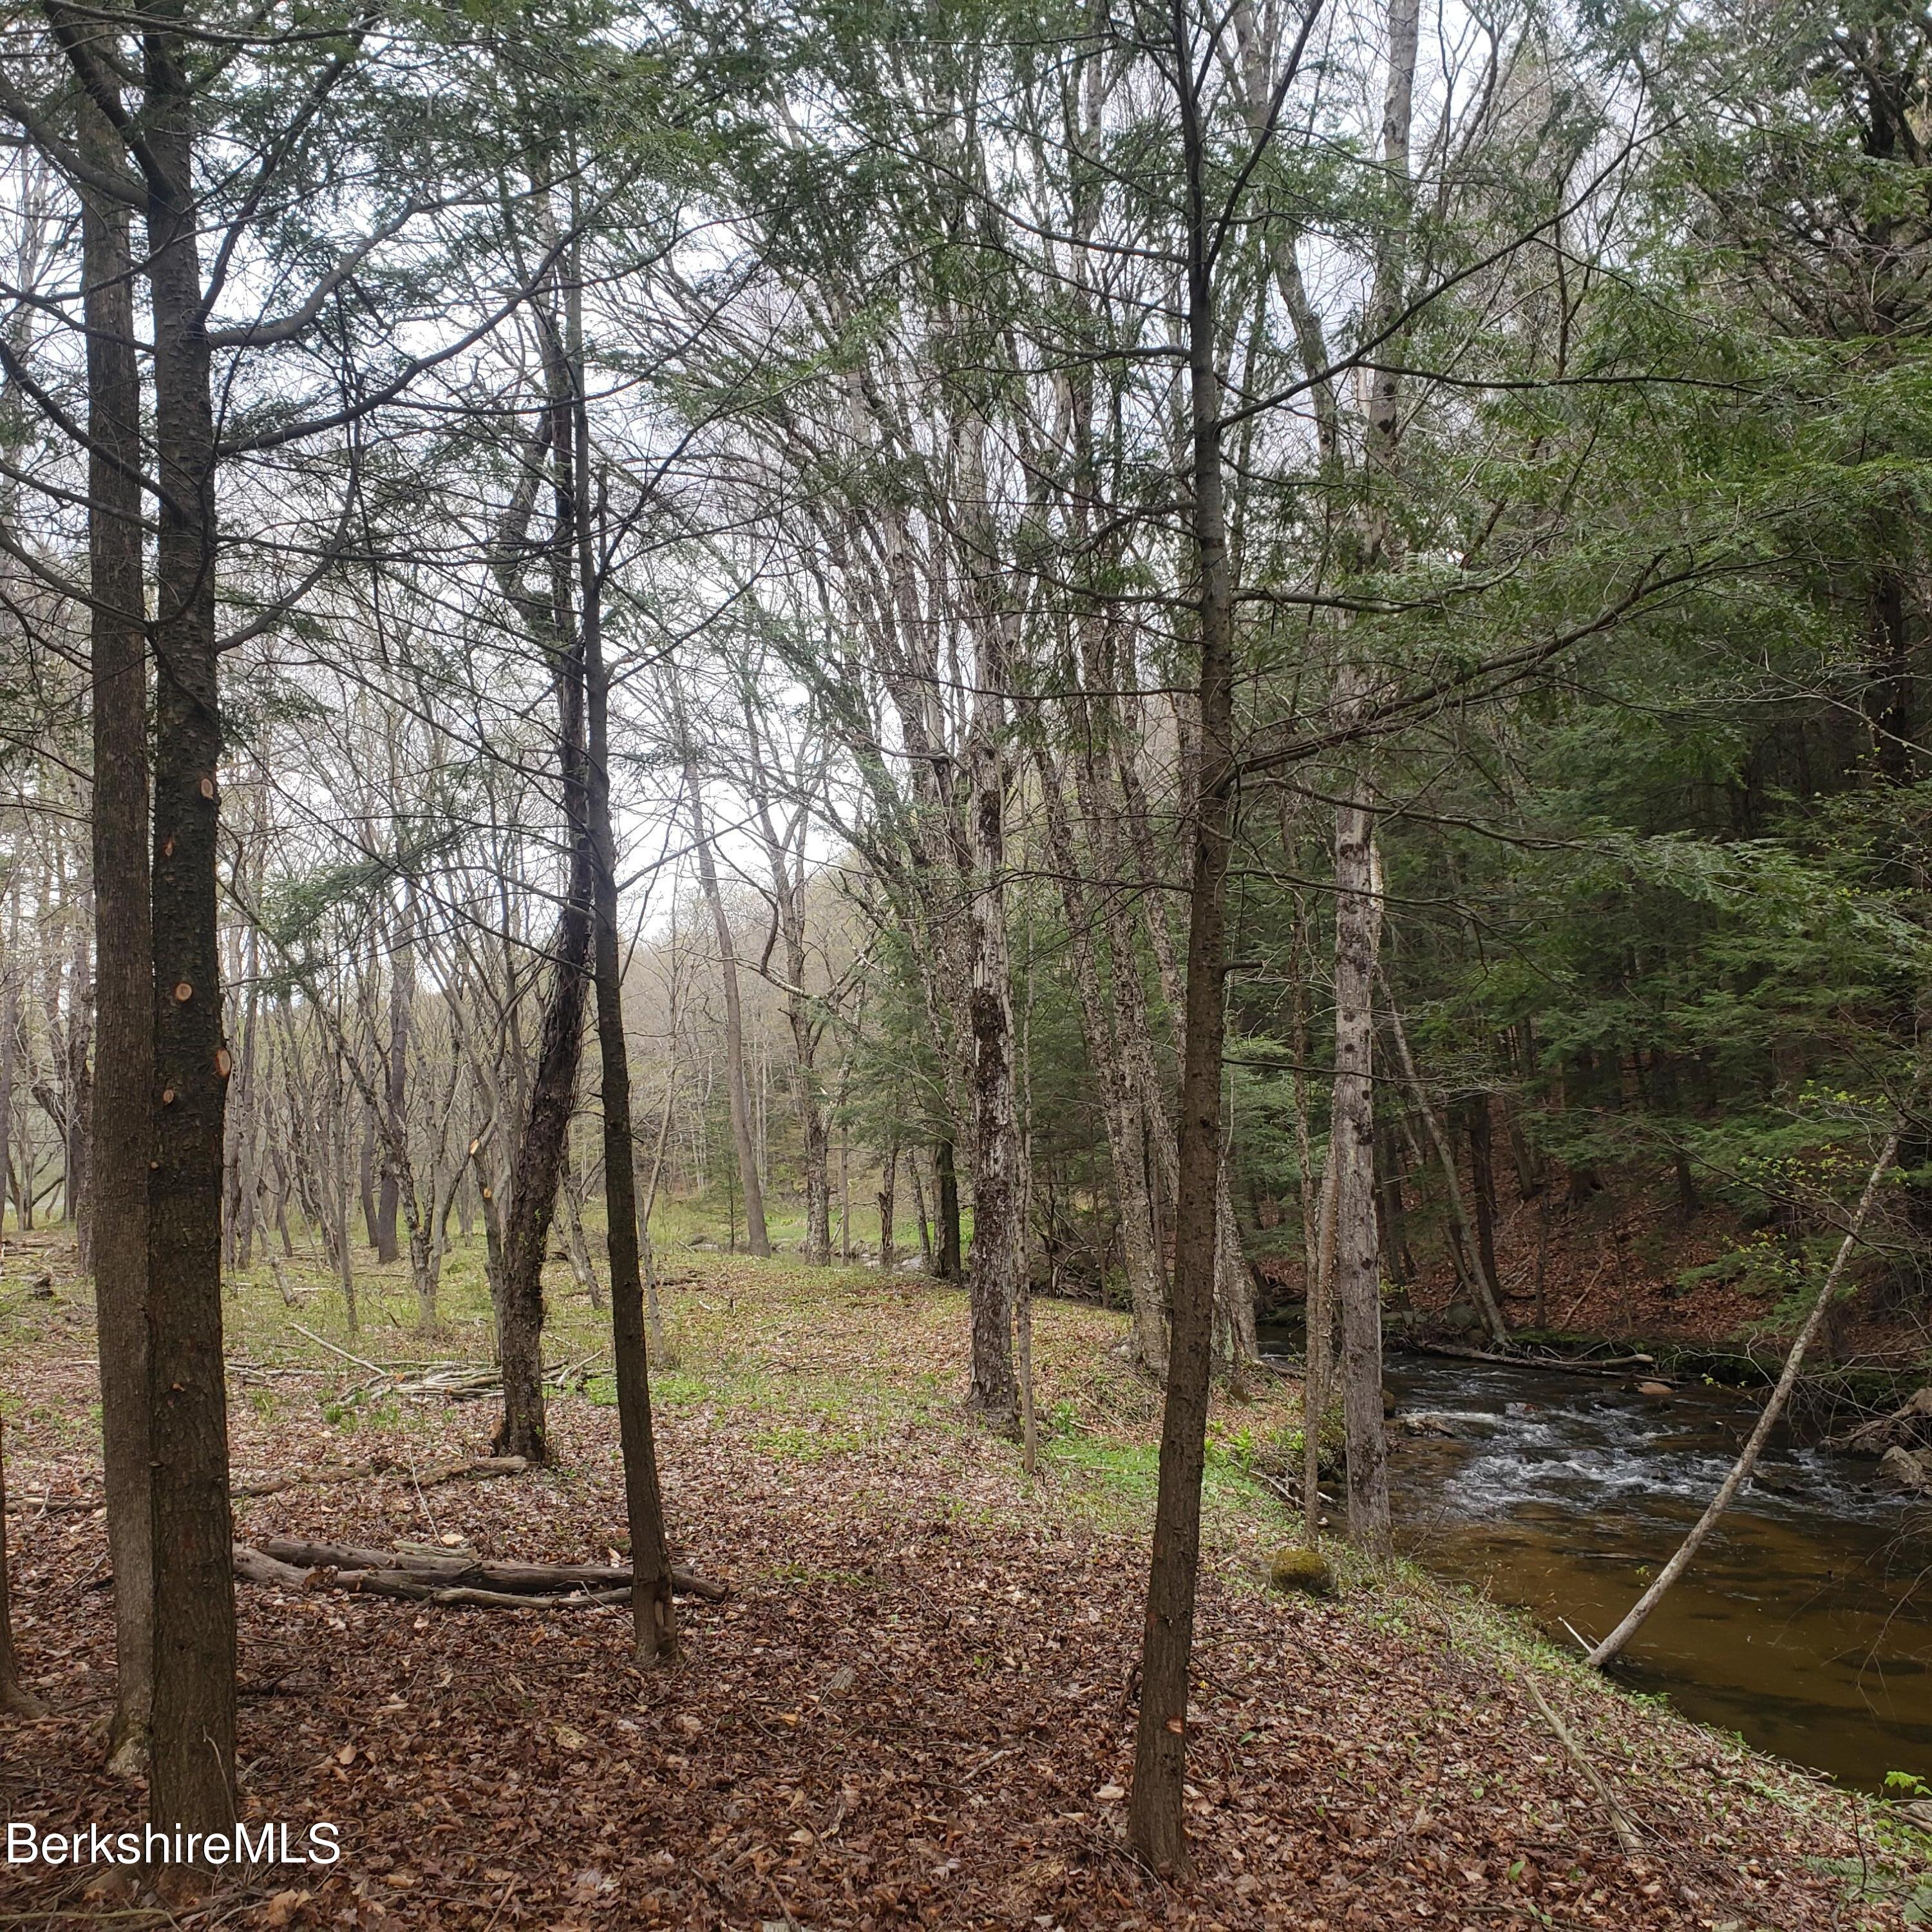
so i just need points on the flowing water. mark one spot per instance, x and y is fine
(1804, 1623)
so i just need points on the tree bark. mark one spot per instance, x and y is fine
(951, 1268)
(1318, 1355)
(14, 1699)
(997, 1255)
(1156, 1826)
(9, 1054)
(124, 946)
(1358, 1256)
(365, 1175)
(1237, 1346)
(653, 1620)
(538, 1165)
(888, 1208)
(395, 1087)
(124, 953)
(191, 1775)
(77, 1184)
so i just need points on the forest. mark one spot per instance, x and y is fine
(962, 963)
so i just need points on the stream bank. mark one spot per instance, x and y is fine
(1805, 1625)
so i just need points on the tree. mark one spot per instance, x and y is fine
(124, 957)
(15, 1699)
(1156, 1819)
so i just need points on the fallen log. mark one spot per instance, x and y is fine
(454, 1566)
(1908, 1427)
(34, 1505)
(478, 1469)
(252, 1566)
(458, 1580)
(1567, 1365)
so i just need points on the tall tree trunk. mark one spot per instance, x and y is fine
(78, 1081)
(395, 1089)
(1358, 902)
(539, 1166)
(653, 1621)
(123, 947)
(191, 1776)
(736, 1092)
(888, 1207)
(10, 1032)
(998, 1252)
(1156, 1826)
(1358, 1256)
(365, 1176)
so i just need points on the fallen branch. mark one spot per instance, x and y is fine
(322, 1341)
(1905, 1428)
(458, 1566)
(1741, 1470)
(1567, 1365)
(457, 1579)
(453, 1381)
(1627, 1834)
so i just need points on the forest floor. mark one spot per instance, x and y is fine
(916, 1706)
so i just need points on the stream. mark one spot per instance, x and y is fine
(1805, 1622)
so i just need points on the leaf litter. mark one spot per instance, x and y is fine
(915, 1708)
